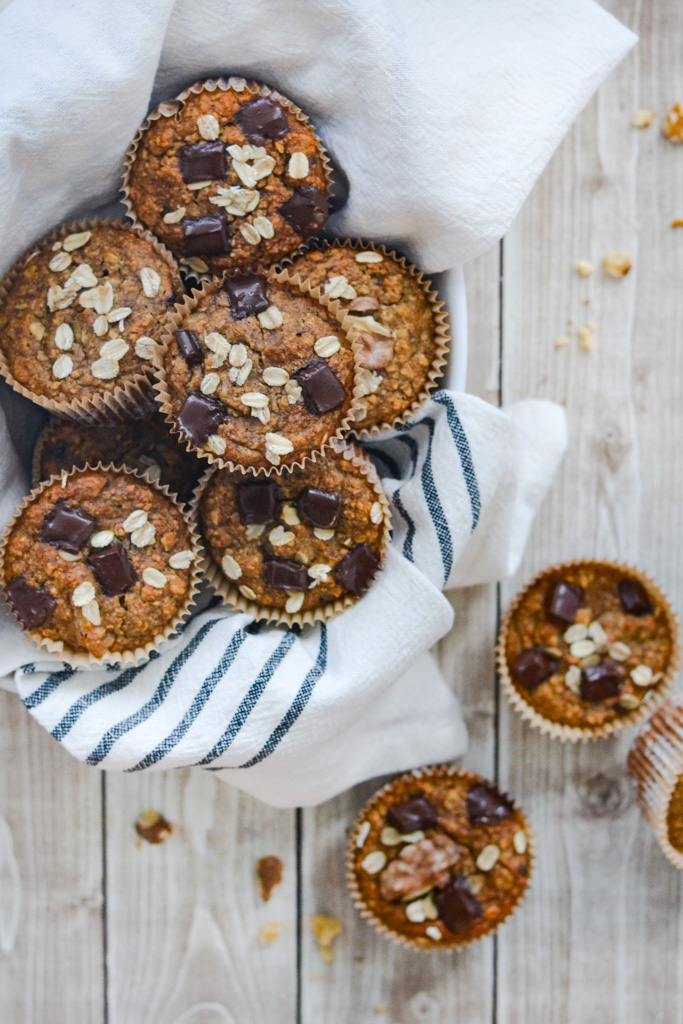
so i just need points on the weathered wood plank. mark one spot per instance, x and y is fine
(600, 936)
(51, 956)
(183, 917)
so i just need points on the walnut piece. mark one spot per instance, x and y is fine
(419, 867)
(269, 874)
(153, 827)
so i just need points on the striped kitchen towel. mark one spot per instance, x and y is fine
(295, 717)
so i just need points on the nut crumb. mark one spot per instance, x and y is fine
(617, 264)
(561, 340)
(587, 336)
(269, 874)
(270, 931)
(153, 827)
(642, 118)
(325, 929)
(677, 223)
(585, 268)
(672, 127)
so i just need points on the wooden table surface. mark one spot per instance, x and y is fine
(95, 930)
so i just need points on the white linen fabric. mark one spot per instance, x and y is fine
(442, 115)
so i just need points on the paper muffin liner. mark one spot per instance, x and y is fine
(131, 396)
(170, 108)
(575, 733)
(442, 332)
(128, 657)
(449, 941)
(175, 318)
(656, 764)
(231, 594)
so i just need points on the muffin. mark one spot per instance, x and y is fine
(230, 176)
(395, 314)
(80, 316)
(438, 857)
(587, 648)
(145, 445)
(99, 566)
(656, 763)
(255, 373)
(297, 547)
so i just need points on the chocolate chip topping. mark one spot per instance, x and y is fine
(457, 905)
(67, 527)
(285, 574)
(200, 416)
(532, 667)
(205, 161)
(323, 391)
(189, 347)
(414, 814)
(305, 211)
(246, 295)
(262, 119)
(486, 805)
(599, 682)
(112, 569)
(257, 501)
(319, 508)
(32, 605)
(634, 597)
(563, 601)
(206, 236)
(356, 571)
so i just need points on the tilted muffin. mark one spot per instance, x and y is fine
(300, 546)
(230, 175)
(395, 314)
(656, 763)
(99, 565)
(146, 445)
(438, 857)
(255, 373)
(587, 648)
(80, 315)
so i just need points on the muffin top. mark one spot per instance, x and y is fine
(440, 856)
(258, 373)
(101, 561)
(395, 324)
(301, 540)
(587, 643)
(230, 179)
(146, 445)
(675, 816)
(82, 314)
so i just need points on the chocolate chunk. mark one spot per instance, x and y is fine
(634, 597)
(457, 905)
(205, 161)
(112, 568)
(285, 574)
(206, 236)
(356, 571)
(305, 211)
(246, 295)
(257, 501)
(323, 391)
(532, 667)
(562, 603)
(189, 347)
(486, 805)
(200, 416)
(32, 605)
(411, 815)
(319, 508)
(601, 681)
(262, 119)
(67, 527)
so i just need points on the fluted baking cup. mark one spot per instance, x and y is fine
(574, 733)
(442, 335)
(133, 393)
(448, 940)
(656, 763)
(198, 267)
(134, 656)
(175, 319)
(232, 595)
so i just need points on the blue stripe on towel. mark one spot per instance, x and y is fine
(397, 502)
(298, 704)
(48, 686)
(379, 453)
(125, 725)
(432, 499)
(251, 699)
(463, 447)
(200, 700)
